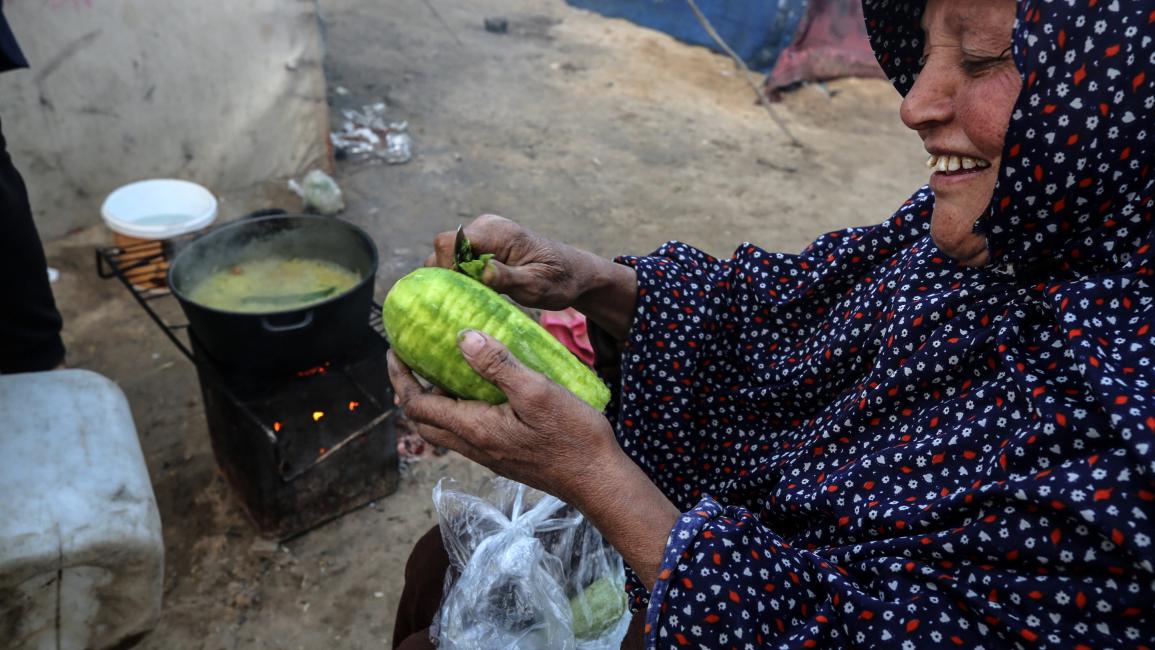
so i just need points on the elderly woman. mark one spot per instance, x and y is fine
(937, 430)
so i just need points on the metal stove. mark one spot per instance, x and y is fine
(299, 448)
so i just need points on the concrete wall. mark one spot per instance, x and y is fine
(226, 93)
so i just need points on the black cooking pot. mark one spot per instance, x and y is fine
(293, 338)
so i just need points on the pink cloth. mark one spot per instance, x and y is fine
(830, 43)
(569, 327)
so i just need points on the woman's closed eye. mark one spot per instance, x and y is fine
(976, 65)
(973, 64)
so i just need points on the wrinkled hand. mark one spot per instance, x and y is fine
(534, 271)
(547, 438)
(544, 436)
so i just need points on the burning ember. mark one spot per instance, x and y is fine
(353, 405)
(317, 415)
(277, 427)
(318, 370)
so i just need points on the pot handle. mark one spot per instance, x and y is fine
(306, 321)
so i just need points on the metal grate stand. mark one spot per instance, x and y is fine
(143, 270)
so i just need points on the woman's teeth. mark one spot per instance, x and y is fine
(955, 163)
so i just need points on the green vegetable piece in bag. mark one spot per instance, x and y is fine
(597, 608)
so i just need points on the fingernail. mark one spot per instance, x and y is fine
(470, 341)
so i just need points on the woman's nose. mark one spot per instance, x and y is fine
(930, 101)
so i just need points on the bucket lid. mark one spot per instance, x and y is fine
(159, 208)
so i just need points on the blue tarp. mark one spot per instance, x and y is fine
(757, 30)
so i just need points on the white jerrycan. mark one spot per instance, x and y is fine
(81, 554)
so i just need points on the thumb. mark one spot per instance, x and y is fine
(494, 362)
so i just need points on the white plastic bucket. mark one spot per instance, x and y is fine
(159, 208)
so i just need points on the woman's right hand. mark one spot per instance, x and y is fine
(535, 271)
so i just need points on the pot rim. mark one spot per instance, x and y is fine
(358, 230)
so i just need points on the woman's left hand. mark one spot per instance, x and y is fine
(544, 436)
(547, 438)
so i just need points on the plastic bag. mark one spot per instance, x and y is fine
(528, 571)
(319, 192)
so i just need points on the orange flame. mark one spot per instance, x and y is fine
(353, 405)
(317, 415)
(277, 426)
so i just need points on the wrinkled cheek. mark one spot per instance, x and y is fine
(986, 110)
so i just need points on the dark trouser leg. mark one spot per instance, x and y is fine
(29, 321)
(421, 598)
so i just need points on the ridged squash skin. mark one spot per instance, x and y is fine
(424, 312)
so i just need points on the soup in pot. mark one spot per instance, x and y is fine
(273, 284)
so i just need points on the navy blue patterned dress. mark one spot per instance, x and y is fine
(876, 447)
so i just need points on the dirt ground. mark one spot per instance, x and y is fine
(590, 130)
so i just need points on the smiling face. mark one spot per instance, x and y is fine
(961, 106)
